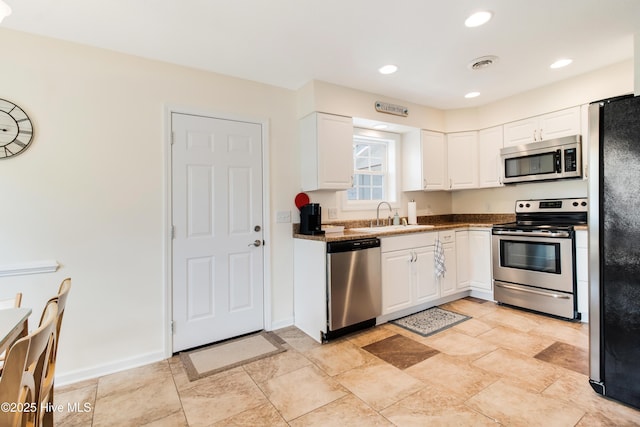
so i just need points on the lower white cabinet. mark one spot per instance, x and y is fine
(408, 271)
(448, 283)
(480, 266)
(462, 260)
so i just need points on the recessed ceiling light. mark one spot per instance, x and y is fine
(478, 18)
(388, 69)
(561, 63)
(5, 10)
(472, 95)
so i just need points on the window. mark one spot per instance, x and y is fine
(374, 169)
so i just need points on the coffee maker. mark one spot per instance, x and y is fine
(310, 219)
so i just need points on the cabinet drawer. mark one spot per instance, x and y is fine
(407, 241)
(447, 236)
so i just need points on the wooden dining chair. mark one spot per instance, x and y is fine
(23, 371)
(45, 389)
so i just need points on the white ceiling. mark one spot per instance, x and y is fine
(287, 43)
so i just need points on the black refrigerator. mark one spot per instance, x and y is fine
(614, 248)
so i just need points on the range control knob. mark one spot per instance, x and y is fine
(575, 203)
(520, 205)
(528, 205)
(584, 203)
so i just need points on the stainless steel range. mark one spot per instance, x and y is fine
(534, 258)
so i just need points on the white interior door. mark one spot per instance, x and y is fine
(217, 218)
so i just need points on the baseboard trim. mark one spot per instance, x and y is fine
(72, 377)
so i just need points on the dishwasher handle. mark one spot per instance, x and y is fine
(352, 245)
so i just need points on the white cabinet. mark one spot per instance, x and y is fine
(582, 273)
(490, 141)
(448, 283)
(326, 152)
(480, 266)
(424, 161)
(462, 160)
(462, 260)
(547, 126)
(408, 271)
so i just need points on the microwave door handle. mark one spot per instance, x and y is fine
(558, 157)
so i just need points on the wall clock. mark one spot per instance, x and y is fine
(16, 129)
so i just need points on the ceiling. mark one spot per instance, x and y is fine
(288, 43)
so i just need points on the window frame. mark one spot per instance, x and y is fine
(392, 182)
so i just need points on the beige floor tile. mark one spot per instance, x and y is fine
(370, 336)
(454, 343)
(301, 391)
(75, 397)
(470, 308)
(514, 319)
(336, 358)
(124, 398)
(452, 374)
(263, 415)
(347, 411)
(574, 388)
(511, 405)
(521, 370)
(434, 406)
(270, 367)
(218, 397)
(472, 327)
(518, 341)
(379, 384)
(297, 339)
(563, 331)
(174, 420)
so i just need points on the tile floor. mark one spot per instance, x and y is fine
(502, 367)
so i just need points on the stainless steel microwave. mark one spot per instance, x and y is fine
(542, 161)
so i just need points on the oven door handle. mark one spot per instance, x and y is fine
(531, 291)
(532, 233)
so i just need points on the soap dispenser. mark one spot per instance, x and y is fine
(396, 218)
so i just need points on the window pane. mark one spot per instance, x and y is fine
(352, 194)
(377, 180)
(376, 194)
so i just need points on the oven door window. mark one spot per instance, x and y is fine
(538, 164)
(533, 256)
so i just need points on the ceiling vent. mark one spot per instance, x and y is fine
(482, 62)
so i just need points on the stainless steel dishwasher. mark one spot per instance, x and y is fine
(354, 286)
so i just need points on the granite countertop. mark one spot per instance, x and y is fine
(439, 222)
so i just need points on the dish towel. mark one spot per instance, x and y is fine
(439, 259)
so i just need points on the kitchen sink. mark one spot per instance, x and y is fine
(386, 228)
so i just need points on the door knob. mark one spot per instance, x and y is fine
(256, 243)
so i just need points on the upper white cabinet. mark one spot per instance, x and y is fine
(326, 152)
(462, 161)
(490, 141)
(424, 161)
(547, 126)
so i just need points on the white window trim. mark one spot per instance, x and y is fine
(393, 173)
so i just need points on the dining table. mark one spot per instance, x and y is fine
(13, 325)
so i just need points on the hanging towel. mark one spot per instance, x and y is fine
(439, 259)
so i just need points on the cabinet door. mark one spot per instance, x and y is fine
(326, 152)
(559, 123)
(434, 161)
(448, 284)
(396, 280)
(462, 260)
(426, 286)
(462, 160)
(480, 259)
(490, 141)
(521, 132)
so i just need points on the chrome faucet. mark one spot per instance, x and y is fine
(378, 212)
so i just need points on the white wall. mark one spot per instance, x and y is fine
(90, 191)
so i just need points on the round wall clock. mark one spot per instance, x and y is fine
(16, 129)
